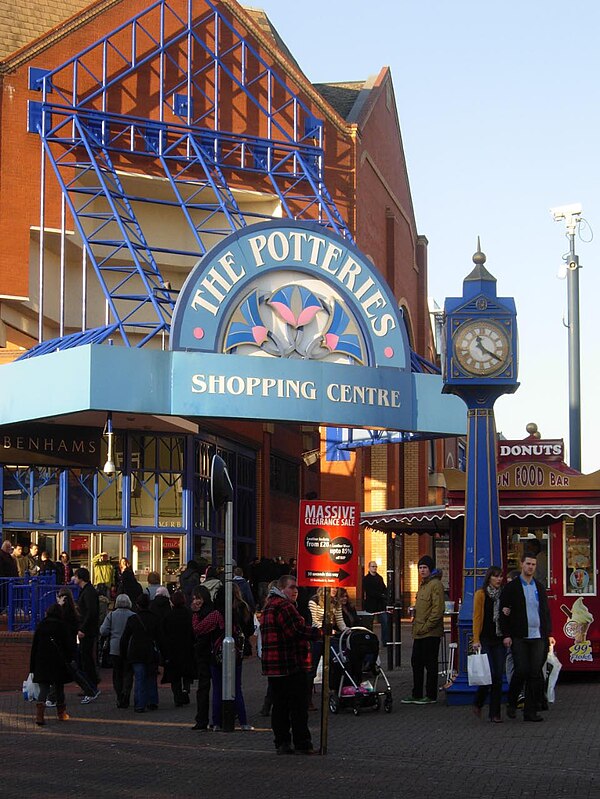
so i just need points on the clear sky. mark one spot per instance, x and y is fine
(499, 112)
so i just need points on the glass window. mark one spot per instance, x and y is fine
(79, 546)
(16, 494)
(157, 481)
(110, 507)
(141, 560)
(31, 494)
(285, 476)
(80, 496)
(171, 559)
(580, 556)
(534, 541)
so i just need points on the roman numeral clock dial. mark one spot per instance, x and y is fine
(481, 347)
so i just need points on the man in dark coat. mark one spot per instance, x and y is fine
(375, 599)
(8, 566)
(89, 614)
(526, 627)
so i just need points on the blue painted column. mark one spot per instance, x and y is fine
(480, 365)
(482, 538)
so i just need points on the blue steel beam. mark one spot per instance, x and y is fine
(193, 54)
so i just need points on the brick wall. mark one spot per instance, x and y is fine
(14, 659)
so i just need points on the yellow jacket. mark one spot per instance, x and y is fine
(428, 621)
(478, 609)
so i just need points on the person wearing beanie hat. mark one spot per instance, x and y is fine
(427, 560)
(427, 630)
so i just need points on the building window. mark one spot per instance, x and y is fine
(156, 487)
(285, 476)
(31, 494)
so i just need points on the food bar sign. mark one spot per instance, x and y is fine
(328, 543)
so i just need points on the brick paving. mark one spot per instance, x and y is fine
(426, 751)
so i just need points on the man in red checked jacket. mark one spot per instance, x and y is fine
(285, 641)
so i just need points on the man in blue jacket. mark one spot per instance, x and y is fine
(526, 627)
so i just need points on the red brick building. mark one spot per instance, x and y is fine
(245, 86)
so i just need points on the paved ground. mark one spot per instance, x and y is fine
(426, 751)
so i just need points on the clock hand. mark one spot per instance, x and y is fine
(485, 349)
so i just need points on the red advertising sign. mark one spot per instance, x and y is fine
(328, 543)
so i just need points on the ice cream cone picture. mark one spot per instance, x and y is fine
(576, 627)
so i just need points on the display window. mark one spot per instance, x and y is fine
(533, 541)
(579, 543)
(171, 558)
(79, 546)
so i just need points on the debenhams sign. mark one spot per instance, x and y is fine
(310, 330)
(50, 445)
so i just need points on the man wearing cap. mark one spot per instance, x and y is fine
(427, 630)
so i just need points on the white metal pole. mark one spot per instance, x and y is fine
(229, 665)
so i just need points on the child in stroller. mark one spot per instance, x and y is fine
(356, 679)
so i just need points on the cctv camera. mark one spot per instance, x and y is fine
(566, 211)
(109, 467)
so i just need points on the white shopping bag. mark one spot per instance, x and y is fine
(478, 669)
(319, 673)
(551, 669)
(31, 689)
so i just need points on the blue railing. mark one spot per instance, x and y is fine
(26, 599)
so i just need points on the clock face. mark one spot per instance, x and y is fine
(481, 347)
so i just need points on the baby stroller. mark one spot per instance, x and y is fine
(356, 679)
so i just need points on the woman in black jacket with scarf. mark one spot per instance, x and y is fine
(52, 649)
(487, 637)
(201, 606)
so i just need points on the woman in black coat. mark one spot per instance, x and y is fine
(52, 650)
(129, 585)
(201, 606)
(140, 646)
(178, 638)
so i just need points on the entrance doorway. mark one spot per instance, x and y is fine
(84, 547)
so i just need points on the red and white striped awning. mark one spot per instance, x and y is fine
(434, 518)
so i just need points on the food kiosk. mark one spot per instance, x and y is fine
(545, 507)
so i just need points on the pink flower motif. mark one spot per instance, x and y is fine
(285, 312)
(259, 334)
(331, 341)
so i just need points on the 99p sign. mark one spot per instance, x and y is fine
(328, 543)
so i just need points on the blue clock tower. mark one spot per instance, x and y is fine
(480, 364)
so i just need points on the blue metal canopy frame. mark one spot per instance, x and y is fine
(192, 55)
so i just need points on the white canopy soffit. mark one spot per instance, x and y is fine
(437, 518)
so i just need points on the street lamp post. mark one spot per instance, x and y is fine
(572, 217)
(221, 495)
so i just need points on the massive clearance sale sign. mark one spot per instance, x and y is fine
(328, 543)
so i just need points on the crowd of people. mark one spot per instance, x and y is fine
(176, 635)
(511, 626)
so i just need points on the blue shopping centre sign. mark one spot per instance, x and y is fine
(282, 320)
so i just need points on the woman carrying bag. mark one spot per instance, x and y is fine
(487, 638)
(51, 651)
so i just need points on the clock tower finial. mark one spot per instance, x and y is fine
(479, 257)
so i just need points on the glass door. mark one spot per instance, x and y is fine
(171, 560)
(142, 557)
